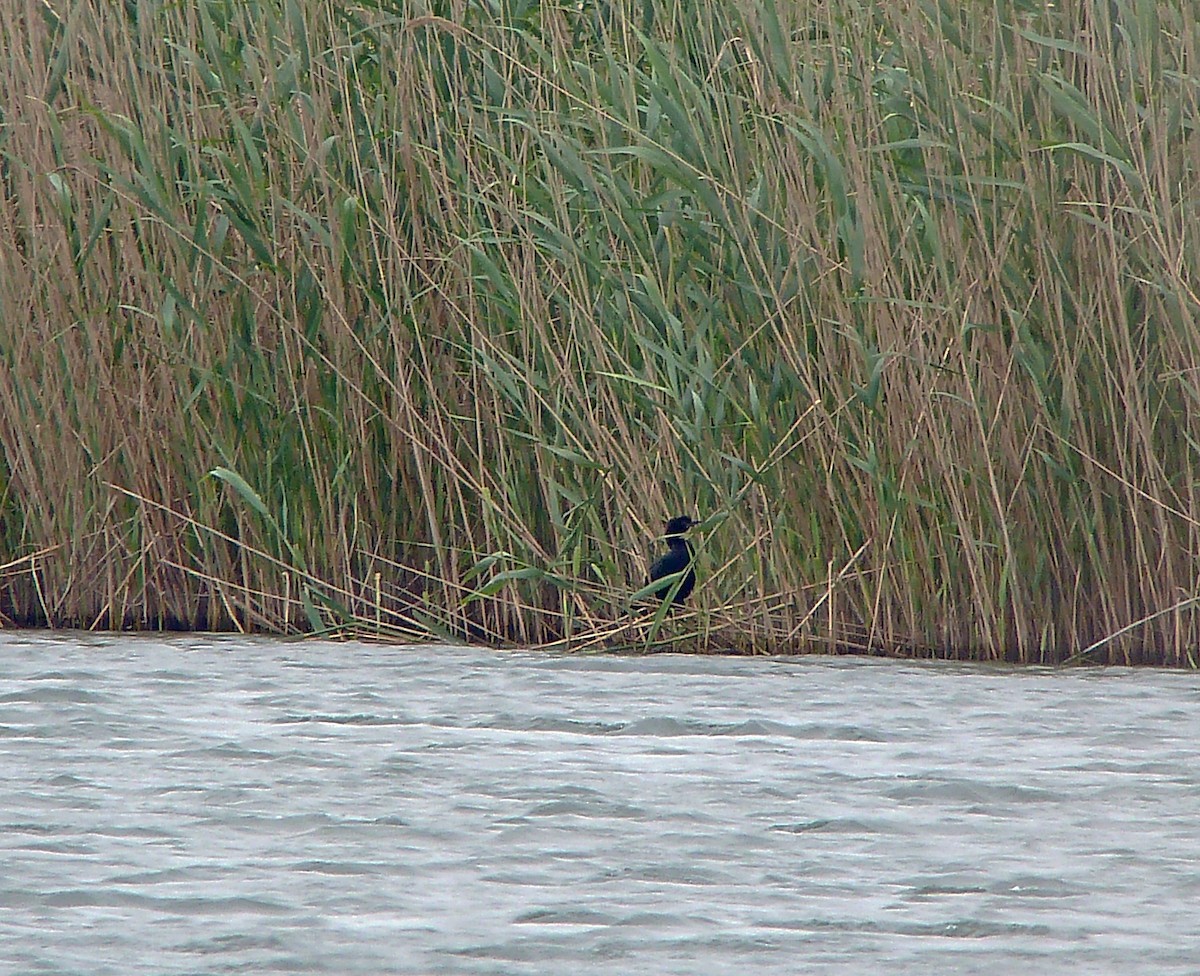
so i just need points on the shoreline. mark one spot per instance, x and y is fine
(612, 643)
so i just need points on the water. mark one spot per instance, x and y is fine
(217, 805)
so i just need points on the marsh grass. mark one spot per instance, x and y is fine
(418, 319)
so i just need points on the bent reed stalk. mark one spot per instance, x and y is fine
(418, 319)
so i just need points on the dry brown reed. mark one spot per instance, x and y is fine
(418, 319)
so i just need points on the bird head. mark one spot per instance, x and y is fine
(680, 524)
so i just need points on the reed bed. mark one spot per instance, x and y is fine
(417, 319)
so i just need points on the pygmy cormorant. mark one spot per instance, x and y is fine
(678, 557)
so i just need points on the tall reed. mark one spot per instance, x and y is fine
(421, 317)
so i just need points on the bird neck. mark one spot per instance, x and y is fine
(679, 543)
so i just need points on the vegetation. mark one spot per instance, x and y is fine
(420, 318)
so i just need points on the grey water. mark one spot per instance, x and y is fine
(202, 804)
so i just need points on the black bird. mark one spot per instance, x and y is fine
(678, 557)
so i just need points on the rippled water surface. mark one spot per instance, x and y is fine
(218, 805)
